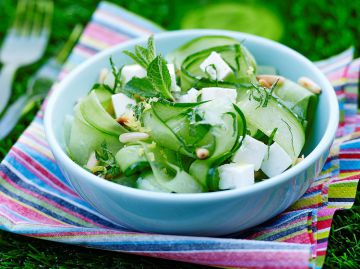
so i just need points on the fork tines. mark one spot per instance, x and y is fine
(33, 17)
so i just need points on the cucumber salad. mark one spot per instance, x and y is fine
(203, 118)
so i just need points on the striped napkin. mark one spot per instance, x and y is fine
(36, 200)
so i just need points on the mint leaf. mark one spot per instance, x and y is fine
(158, 80)
(143, 56)
(151, 48)
(159, 76)
(137, 58)
(140, 86)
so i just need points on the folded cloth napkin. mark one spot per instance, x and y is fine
(36, 200)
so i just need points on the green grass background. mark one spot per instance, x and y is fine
(318, 29)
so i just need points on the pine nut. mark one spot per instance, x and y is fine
(309, 84)
(264, 83)
(202, 153)
(122, 120)
(132, 137)
(270, 80)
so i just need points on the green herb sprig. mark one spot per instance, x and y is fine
(261, 94)
(107, 166)
(216, 73)
(195, 119)
(270, 141)
(292, 136)
(143, 56)
(138, 110)
(117, 76)
(157, 83)
(159, 76)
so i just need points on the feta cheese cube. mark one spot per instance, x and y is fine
(121, 104)
(212, 111)
(106, 77)
(213, 93)
(133, 70)
(276, 162)
(215, 66)
(190, 97)
(235, 175)
(220, 101)
(252, 151)
(174, 87)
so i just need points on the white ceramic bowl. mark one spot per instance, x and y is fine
(211, 214)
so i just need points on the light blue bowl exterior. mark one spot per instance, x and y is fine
(209, 214)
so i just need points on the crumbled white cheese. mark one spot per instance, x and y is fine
(221, 102)
(121, 104)
(215, 66)
(212, 93)
(213, 111)
(190, 97)
(252, 151)
(130, 71)
(276, 162)
(234, 176)
(106, 77)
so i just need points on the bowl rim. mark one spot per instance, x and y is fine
(315, 154)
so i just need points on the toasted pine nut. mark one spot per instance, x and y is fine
(122, 120)
(132, 137)
(271, 79)
(309, 84)
(202, 153)
(264, 83)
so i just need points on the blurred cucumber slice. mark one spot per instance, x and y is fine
(236, 17)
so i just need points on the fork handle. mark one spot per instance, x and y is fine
(6, 78)
(12, 116)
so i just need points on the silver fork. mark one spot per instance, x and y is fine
(38, 86)
(25, 41)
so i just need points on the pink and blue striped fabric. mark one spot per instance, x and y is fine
(36, 200)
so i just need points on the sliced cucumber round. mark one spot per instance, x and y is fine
(170, 126)
(167, 175)
(298, 99)
(227, 141)
(236, 56)
(290, 134)
(199, 44)
(85, 139)
(148, 182)
(131, 159)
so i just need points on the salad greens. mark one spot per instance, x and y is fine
(205, 118)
